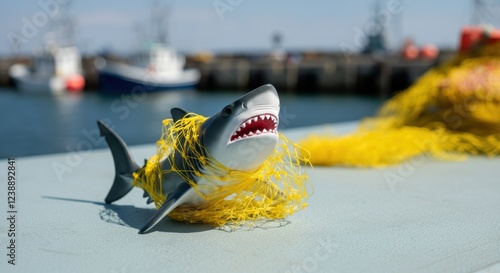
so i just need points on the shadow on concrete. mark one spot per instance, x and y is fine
(130, 216)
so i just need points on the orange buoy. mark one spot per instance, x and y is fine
(410, 51)
(429, 52)
(75, 83)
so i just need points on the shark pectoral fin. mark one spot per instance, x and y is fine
(165, 209)
(178, 197)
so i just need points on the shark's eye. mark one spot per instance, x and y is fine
(226, 112)
(244, 105)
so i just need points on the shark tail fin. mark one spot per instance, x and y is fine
(124, 164)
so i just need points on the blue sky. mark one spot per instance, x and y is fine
(195, 25)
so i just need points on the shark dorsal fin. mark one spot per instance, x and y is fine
(177, 113)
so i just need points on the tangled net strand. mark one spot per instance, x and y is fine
(451, 111)
(278, 188)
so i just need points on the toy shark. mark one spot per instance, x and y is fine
(250, 122)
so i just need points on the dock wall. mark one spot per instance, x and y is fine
(362, 76)
(358, 75)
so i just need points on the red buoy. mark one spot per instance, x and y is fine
(429, 52)
(75, 83)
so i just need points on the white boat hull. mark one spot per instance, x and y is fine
(27, 82)
(117, 78)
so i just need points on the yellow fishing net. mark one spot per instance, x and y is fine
(275, 190)
(451, 111)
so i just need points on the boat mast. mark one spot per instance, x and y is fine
(485, 12)
(160, 17)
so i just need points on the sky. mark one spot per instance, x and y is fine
(235, 25)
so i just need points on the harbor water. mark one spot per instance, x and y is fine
(43, 124)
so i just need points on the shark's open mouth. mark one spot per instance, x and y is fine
(254, 126)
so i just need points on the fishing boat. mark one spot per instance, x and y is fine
(158, 68)
(56, 70)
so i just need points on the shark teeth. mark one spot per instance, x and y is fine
(254, 126)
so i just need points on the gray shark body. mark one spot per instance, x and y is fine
(241, 137)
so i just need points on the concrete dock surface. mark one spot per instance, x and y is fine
(438, 216)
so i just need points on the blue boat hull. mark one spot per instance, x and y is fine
(113, 84)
